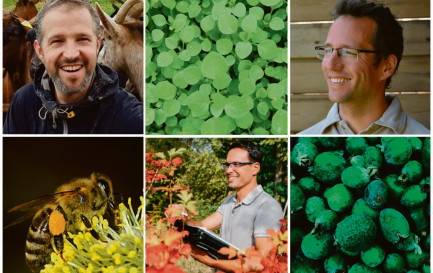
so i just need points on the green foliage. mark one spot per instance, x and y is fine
(222, 65)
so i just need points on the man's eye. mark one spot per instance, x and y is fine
(236, 164)
(350, 52)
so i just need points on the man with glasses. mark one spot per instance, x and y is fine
(362, 52)
(244, 217)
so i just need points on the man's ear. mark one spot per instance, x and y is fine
(38, 50)
(389, 66)
(256, 168)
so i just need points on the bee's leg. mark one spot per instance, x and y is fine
(58, 245)
(89, 227)
(114, 211)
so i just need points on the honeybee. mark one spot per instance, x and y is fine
(70, 205)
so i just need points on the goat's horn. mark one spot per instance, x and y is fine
(136, 12)
(124, 10)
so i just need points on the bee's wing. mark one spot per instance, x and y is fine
(32, 206)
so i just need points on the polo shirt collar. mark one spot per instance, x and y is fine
(251, 196)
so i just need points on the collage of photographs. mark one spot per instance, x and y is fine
(166, 136)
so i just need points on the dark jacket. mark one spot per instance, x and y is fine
(106, 109)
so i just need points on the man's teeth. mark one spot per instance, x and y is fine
(339, 80)
(71, 67)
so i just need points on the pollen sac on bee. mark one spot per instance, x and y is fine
(57, 223)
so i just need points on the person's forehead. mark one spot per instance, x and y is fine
(238, 153)
(67, 8)
(351, 31)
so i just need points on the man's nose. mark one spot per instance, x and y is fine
(71, 51)
(333, 61)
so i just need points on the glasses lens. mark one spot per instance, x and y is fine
(320, 53)
(349, 53)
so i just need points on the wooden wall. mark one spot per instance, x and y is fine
(308, 89)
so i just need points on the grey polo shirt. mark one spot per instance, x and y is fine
(250, 218)
(393, 121)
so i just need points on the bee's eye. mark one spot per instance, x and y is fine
(104, 185)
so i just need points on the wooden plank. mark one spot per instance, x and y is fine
(318, 10)
(303, 38)
(413, 75)
(416, 105)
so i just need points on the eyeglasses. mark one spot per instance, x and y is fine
(323, 52)
(235, 165)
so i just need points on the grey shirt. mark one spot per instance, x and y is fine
(393, 121)
(250, 218)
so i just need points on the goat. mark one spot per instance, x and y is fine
(123, 48)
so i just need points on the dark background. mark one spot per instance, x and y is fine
(33, 167)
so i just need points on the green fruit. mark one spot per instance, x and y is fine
(397, 151)
(301, 264)
(415, 260)
(394, 263)
(396, 188)
(356, 145)
(304, 153)
(376, 194)
(357, 160)
(339, 198)
(373, 157)
(360, 207)
(355, 233)
(373, 256)
(413, 196)
(313, 207)
(317, 246)
(308, 185)
(355, 177)
(408, 244)
(325, 221)
(416, 144)
(425, 268)
(411, 172)
(331, 142)
(335, 264)
(394, 225)
(418, 219)
(362, 268)
(425, 154)
(297, 198)
(328, 166)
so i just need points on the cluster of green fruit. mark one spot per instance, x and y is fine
(360, 204)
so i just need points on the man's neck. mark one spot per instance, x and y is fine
(244, 191)
(63, 98)
(360, 115)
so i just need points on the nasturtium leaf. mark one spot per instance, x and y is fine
(245, 121)
(160, 116)
(269, 3)
(227, 24)
(198, 102)
(278, 103)
(256, 72)
(192, 74)
(164, 59)
(150, 116)
(275, 91)
(279, 123)
(247, 86)
(157, 35)
(268, 50)
(165, 90)
(159, 20)
(221, 81)
(258, 12)
(206, 45)
(171, 121)
(171, 107)
(213, 64)
(207, 23)
(260, 131)
(179, 80)
(214, 126)
(239, 10)
(171, 42)
(187, 34)
(235, 107)
(194, 10)
(193, 48)
(249, 23)
(243, 49)
(169, 3)
(182, 6)
(230, 60)
(217, 106)
(224, 46)
(263, 108)
(276, 23)
(253, 2)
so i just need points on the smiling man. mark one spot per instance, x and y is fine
(71, 93)
(244, 217)
(362, 52)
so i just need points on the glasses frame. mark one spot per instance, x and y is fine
(226, 165)
(343, 51)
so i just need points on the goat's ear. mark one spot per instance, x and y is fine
(38, 50)
(106, 20)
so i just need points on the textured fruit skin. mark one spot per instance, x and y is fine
(394, 225)
(415, 260)
(396, 188)
(411, 172)
(355, 233)
(376, 194)
(297, 198)
(313, 207)
(300, 264)
(328, 167)
(373, 157)
(355, 177)
(409, 244)
(361, 207)
(325, 221)
(425, 154)
(304, 153)
(356, 145)
(308, 185)
(317, 246)
(362, 268)
(397, 151)
(373, 256)
(334, 264)
(394, 263)
(339, 198)
(413, 196)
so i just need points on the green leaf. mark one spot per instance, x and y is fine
(235, 107)
(193, 48)
(276, 23)
(150, 116)
(171, 42)
(160, 116)
(207, 23)
(171, 121)
(256, 72)
(194, 10)
(184, 56)
(187, 34)
(268, 50)
(198, 102)
(182, 6)
(214, 126)
(169, 3)
(247, 86)
(159, 20)
(239, 10)
(213, 64)
(220, 9)
(206, 45)
(179, 22)
(245, 121)
(227, 24)
(249, 23)
(253, 2)
(164, 59)
(258, 12)
(192, 74)
(217, 106)
(165, 90)
(224, 46)
(270, 3)
(157, 35)
(260, 131)
(243, 49)
(221, 81)
(171, 107)
(275, 91)
(278, 103)
(230, 60)
(279, 123)
(263, 108)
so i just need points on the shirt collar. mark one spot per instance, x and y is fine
(251, 196)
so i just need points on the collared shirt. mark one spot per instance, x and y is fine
(250, 218)
(393, 121)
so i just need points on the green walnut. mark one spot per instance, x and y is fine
(394, 225)
(355, 233)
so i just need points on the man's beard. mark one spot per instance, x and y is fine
(61, 86)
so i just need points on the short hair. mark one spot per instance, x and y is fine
(388, 37)
(69, 3)
(254, 152)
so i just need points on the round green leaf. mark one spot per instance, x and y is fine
(239, 10)
(214, 126)
(217, 106)
(245, 121)
(160, 117)
(171, 42)
(179, 80)
(259, 36)
(221, 81)
(235, 107)
(275, 91)
(150, 116)
(179, 22)
(165, 90)
(164, 59)
(206, 45)
(268, 50)
(206, 89)
(157, 35)
(230, 60)
(169, 3)
(278, 103)
(247, 86)
(171, 121)
(192, 74)
(184, 56)
(194, 10)
(207, 23)
(182, 6)
(249, 23)
(260, 131)
(187, 34)
(224, 46)
(253, 2)
(243, 49)
(227, 24)
(263, 108)
(279, 123)
(193, 48)
(256, 72)
(276, 23)
(198, 102)
(269, 3)
(213, 64)
(258, 12)
(220, 9)
(159, 20)
(171, 107)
